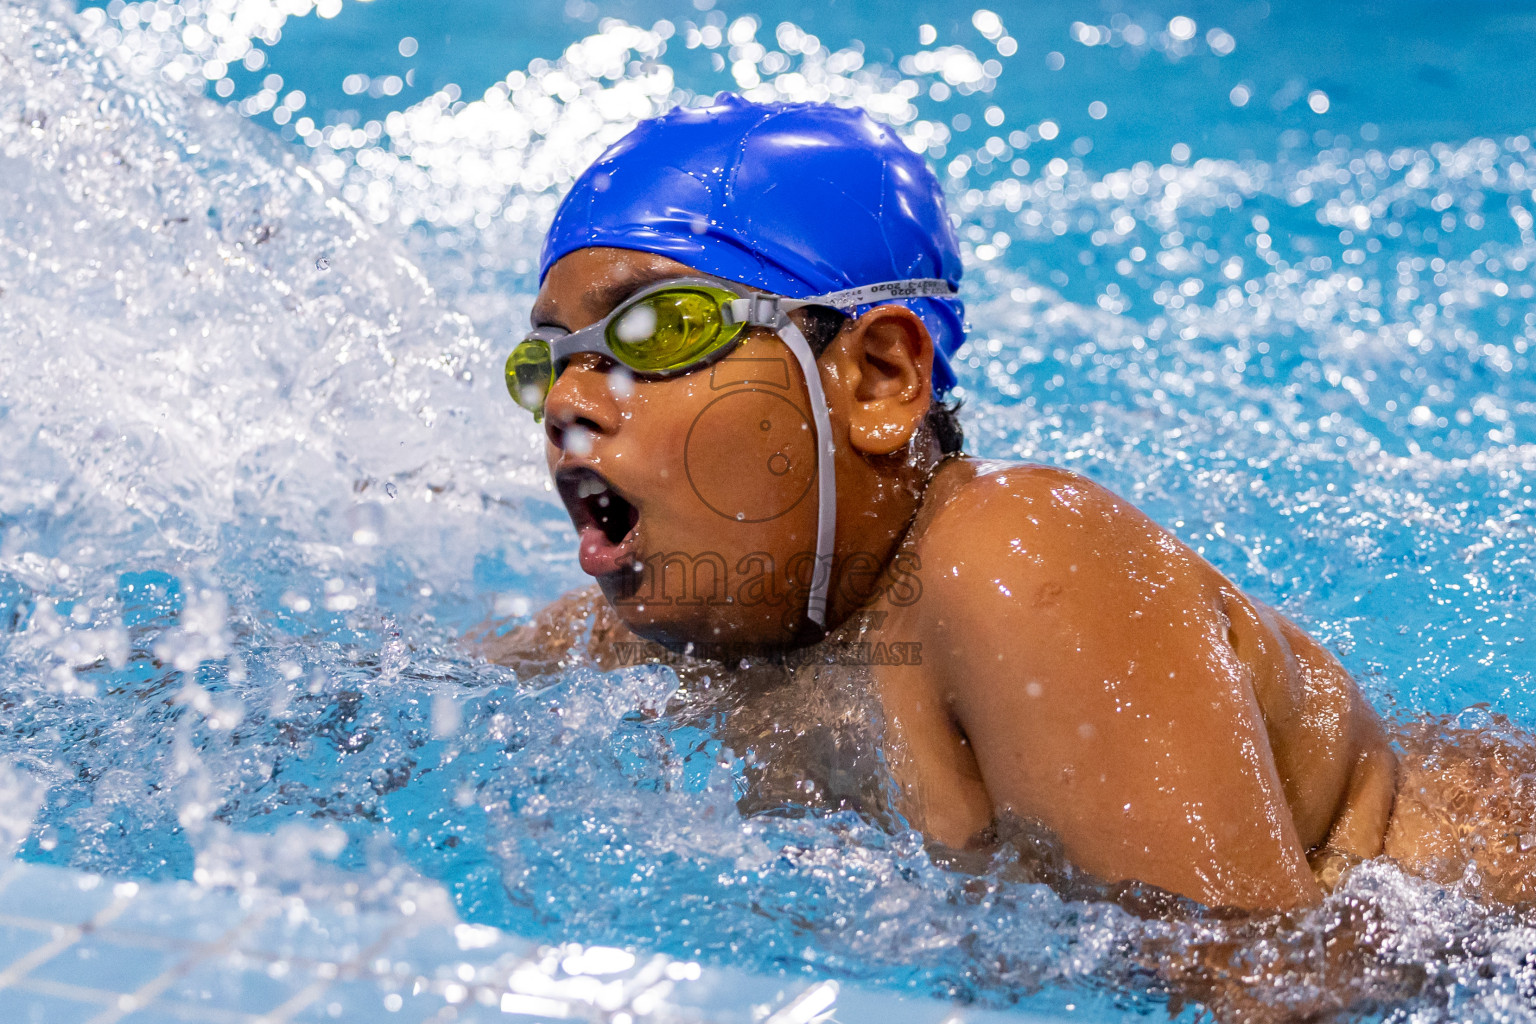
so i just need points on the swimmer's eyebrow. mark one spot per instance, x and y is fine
(608, 296)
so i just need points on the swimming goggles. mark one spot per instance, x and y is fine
(674, 326)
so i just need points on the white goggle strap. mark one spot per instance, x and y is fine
(826, 473)
(764, 310)
(769, 311)
(885, 291)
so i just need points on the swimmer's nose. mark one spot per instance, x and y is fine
(581, 404)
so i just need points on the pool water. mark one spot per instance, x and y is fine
(1267, 272)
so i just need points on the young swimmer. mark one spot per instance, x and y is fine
(740, 345)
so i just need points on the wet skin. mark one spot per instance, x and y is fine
(1062, 658)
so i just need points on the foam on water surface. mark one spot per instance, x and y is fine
(260, 475)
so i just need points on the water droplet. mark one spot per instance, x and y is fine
(365, 524)
(1182, 27)
(391, 490)
(323, 263)
(621, 381)
(578, 440)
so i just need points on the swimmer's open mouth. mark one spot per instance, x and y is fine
(603, 517)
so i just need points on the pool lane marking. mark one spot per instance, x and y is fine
(67, 936)
(198, 954)
(356, 967)
(107, 998)
(814, 1004)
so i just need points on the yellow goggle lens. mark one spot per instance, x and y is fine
(665, 332)
(670, 330)
(530, 375)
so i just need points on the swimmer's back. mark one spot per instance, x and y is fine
(1112, 685)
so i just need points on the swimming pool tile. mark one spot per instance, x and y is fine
(181, 913)
(473, 1013)
(96, 963)
(177, 1013)
(23, 1007)
(370, 1000)
(439, 950)
(237, 983)
(50, 894)
(216, 958)
(442, 944)
(319, 934)
(888, 1008)
(17, 941)
(702, 991)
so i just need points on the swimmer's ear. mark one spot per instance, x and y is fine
(883, 363)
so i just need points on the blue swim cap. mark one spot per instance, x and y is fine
(798, 199)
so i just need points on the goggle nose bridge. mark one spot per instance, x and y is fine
(756, 310)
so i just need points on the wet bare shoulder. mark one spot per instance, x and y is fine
(1038, 516)
(1084, 656)
(1048, 552)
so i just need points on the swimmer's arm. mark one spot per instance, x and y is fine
(579, 625)
(1089, 668)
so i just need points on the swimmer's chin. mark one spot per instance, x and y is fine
(699, 631)
(623, 588)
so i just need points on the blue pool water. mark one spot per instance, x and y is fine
(1268, 272)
